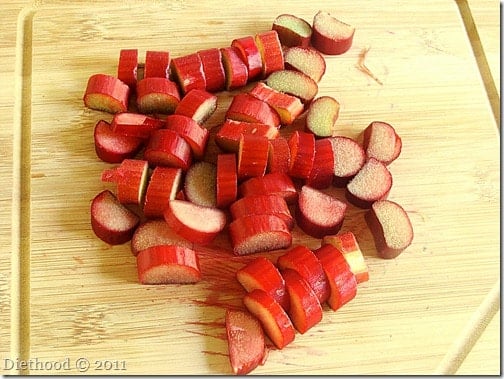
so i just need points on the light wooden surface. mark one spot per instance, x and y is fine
(83, 297)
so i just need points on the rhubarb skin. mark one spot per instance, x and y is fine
(273, 183)
(245, 107)
(194, 134)
(197, 104)
(331, 36)
(322, 173)
(258, 233)
(305, 310)
(154, 232)
(168, 264)
(229, 133)
(306, 60)
(234, 67)
(213, 69)
(302, 260)
(135, 125)
(271, 52)
(302, 150)
(262, 274)
(106, 93)
(130, 178)
(341, 280)
(279, 156)
(188, 72)
(245, 338)
(163, 186)
(127, 67)
(250, 55)
(262, 204)
(157, 95)
(227, 180)
(111, 221)
(292, 30)
(113, 147)
(167, 148)
(157, 64)
(252, 156)
(274, 320)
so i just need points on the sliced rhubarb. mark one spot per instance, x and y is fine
(168, 264)
(330, 35)
(167, 148)
(322, 115)
(197, 104)
(294, 83)
(250, 55)
(245, 339)
(391, 228)
(305, 310)
(273, 183)
(157, 64)
(303, 260)
(234, 67)
(302, 152)
(194, 222)
(153, 233)
(127, 67)
(373, 182)
(275, 321)
(111, 221)
(262, 204)
(245, 107)
(257, 233)
(226, 184)
(279, 156)
(382, 142)
(213, 69)
(292, 30)
(130, 178)
(349, 157)
(114, 147)
(252, 156)
(135, 124)
(157, 95)
(307, 60)
(200, 184)
(270, 48)
(195, 134)
(229, 133)
(188, 72)
(342, 282)
(262, 274)
(163, 186)
(322, 173)
(106, 93)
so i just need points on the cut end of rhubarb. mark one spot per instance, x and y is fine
(155, 232)
(294, 83)
(349, 157)
(322, 115)
(200, 184)
(292, 30)
(307, 60)
(330, 35)
(382, 142)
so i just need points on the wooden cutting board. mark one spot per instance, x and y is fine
(79, 298)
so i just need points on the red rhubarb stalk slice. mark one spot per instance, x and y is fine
(273, 183)
(153, 233)
(252, 156)
(262, 204)
(106, 93)
(194, 222)
(275, 321)
(270, 48)
(198, 105)
(167, 148)
(188, 72)
(250, 54)
(322, 173)
(245, 107)
(382, 142)
(294, 83)
(302, 151)
(111, 221)
(157, 95)
(157, 64)
(227, 180)
(349, 157)
(135, 124)
(163, 186)
(262, 274)
(322, 115)
(234, 67)
(292, 30)
(193, 133)
(211, 61)
(330, 35)
(200, 184)
(168, 264)
(229, 134)
(245, 339)
(127, 67)
(279, 156)
(113, 147)
(307, 60)
(130, 178)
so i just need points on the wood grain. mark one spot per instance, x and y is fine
(84, 297)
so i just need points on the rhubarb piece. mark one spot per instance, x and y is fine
(163, 186)
(382, 142)
(192, 132)
(111, 221)
(302, 152)
(167, 148)
(257, 233)
(229, 134)
(198, 105)
(188, 72)
(135, 125)
(347, 244)
(271, 52)
(279, 156)
(113, 147)
(200, 184)
(294, 83)
(319, 214)
(250, 55)
(127, 67)
(154, 233)
(252, 156)
(245, 107)
(130, 178)
(213, 69)
(305, 263)
(157, 64)
(372, 183)
(272, 183)
(322, 115)
(391, 228)
(262, 204)
(275, 321)
(195, 223)
(106, 93)
(234, 67)
(349, 157)
(292, 30)
(226, 184)
(168, 264)
(307, 60)
(245, 339)
(330, 35)
(288, 107)
(262, 274)
(322, 173)
(305, 310)
(157, 95)
(342, 282)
